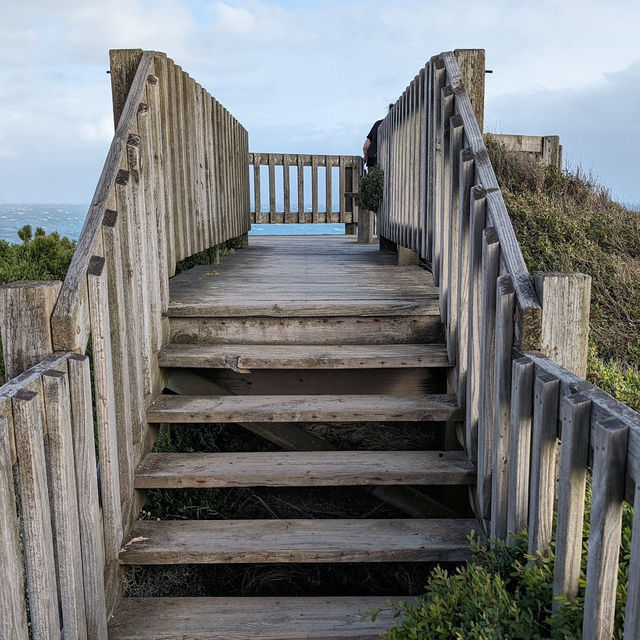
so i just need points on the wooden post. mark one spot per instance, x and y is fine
(64, 503)
(565, 299)
(632, 614)
(575, 414)
(505, 302)
(13, 616)
(552, 151)
(605, 527)
(472, 69)
(25, 323)
(490, 271)
(365, 225)
(106, 425)
(124, 64)
(544, 446)
(520, 446)
(36, 516)
(90, 518)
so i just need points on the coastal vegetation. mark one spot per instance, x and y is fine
(39, 256)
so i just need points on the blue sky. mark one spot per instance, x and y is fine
(311, 76)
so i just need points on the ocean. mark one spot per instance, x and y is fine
(67, 220)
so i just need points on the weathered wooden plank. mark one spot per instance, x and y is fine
(272, 188)
(477, 206)
(64, 503)
(300, 176)
(456, 143)
(315, 163)
(252, 356)
(605, 527)
(566, 301)
(163, 126)
(490, 270)
(25, 329)
(308, 330)
(272, 618)
(574, 417)
(544, 446)
(122, 223)
(123, 64)
(297, 469)
(472, 70)
(70, 320)
(13, 615)
(211, 541)
(520, 445)
(123, 359)
(505, 302)
(439, 81)
(90, 518)
(632, 613)
(106, 423)
(35, 516)
(285, 408)
(151, 212)
(306, 307)
(138, 251)
(286, 187)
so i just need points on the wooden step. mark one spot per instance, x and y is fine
(251, 618)
(391, 329)
(249, 541)
(320, 408)
(303, 469)
(244, 357)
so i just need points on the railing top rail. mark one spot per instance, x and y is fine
(511, 255)
(70, 321)
(306, 158)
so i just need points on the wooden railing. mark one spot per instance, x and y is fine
(348, 175)
(175, 182)
(524, 411)
(546, 149)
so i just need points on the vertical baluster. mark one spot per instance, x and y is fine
(505, 303)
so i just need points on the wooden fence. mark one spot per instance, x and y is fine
(344, 210)
(174, 183)
(546, 149)
(526, 415)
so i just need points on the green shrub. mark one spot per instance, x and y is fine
(501, 595)
(39, 257)
(370, 189)
(567, 222)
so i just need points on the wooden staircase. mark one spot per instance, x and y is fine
(271, 358)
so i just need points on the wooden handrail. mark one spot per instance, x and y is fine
(70, 321)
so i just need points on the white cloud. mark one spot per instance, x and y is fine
(304, 76)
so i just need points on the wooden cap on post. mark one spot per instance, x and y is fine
(25, 323)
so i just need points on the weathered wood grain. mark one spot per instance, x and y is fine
(575, 412)
(64, 503)
(520, 445)
(300, 468)
(13, 616)
(106, 424)
(35, 516)
(605, 527)
(505, 302)
(461, 306)
(271, 618)
(230, 541)
(90, 518)
(25, 329)
(632, 613)
(477, 207)
(251, 356)
(490, 270)
(544, 446)
(566, 301)
(288, 408)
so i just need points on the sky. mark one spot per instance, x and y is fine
(311, 76)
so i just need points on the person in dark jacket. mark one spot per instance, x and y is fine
(370, 148)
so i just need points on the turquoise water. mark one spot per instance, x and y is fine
(67, 220)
